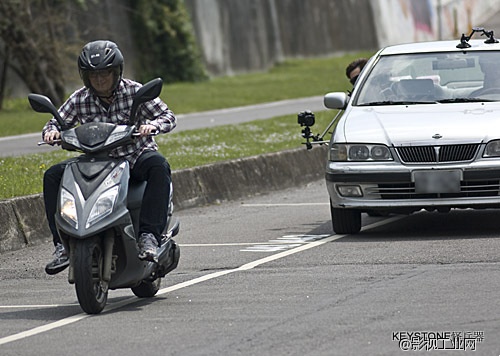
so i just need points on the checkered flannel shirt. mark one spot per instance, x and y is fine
(83, 107)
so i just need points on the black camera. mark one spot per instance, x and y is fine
(305, 118)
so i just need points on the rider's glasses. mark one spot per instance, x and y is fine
(100, 73)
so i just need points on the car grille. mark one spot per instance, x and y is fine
(433, 154)
(487, 188)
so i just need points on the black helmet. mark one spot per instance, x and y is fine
(98, 55)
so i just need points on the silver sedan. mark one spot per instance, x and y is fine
(421, 130)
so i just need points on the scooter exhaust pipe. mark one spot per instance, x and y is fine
(168, 258)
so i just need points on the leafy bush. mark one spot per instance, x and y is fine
(165, 42)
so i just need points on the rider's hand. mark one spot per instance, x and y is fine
(147, 129)
(51, 136)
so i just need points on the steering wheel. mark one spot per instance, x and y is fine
(484, 91)
(402, 94)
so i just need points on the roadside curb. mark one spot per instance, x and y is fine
(23, 222)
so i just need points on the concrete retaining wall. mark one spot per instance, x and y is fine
(241, 36)
(23, 222)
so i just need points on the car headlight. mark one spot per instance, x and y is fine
(68, 208)
(359, 152)
(492, 149)
(103, 206)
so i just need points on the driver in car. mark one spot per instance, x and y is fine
(491, 71)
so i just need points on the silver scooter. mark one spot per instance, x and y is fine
(98, 210)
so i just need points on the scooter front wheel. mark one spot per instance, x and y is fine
(91, 290)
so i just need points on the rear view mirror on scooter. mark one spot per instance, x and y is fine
(147, 92)
(41, 103)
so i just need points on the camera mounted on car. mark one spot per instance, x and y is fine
(306, 118)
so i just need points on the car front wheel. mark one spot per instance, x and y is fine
(345, 221)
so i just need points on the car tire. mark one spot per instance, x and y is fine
(345, 221)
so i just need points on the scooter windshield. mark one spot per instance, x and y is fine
(94, 134)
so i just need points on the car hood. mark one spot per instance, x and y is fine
(422, 124)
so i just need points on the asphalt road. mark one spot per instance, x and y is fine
(27, 144)
(265, 276)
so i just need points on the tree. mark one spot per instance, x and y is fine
(165, 41)
(30, 46)
(41, 39)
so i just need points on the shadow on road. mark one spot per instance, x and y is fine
(457, 224)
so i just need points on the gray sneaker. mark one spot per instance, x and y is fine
(60, 262)
(148, 246)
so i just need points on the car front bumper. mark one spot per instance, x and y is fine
(393, 186)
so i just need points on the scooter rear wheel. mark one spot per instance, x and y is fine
(91, 290)
(147, 289)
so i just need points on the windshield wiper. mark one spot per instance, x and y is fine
(393, 102)
(463, 100)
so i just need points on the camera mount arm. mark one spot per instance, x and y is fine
(306, 118)
(464, 40)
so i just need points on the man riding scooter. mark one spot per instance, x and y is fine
(107, 97)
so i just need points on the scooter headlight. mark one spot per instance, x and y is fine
(71, 138)
(103, 206)
(68, 208)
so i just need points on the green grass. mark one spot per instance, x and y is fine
(291, 79)
(184, 149)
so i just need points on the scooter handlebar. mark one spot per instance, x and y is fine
(55, 142)
(138, 134)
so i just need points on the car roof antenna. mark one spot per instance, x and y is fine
(464, 40)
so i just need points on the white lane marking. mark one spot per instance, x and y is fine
(302, 237)
(245, 267)
(283, 243)
(282, 204)
(43, 328)
(37, 306)
(270, 248)
(287, 239)
(225, 244)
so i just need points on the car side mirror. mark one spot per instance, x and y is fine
(336, 100)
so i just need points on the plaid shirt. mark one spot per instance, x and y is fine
(83, 107)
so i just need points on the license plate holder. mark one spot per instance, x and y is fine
(437, 181)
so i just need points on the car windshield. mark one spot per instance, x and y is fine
(429, 78)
